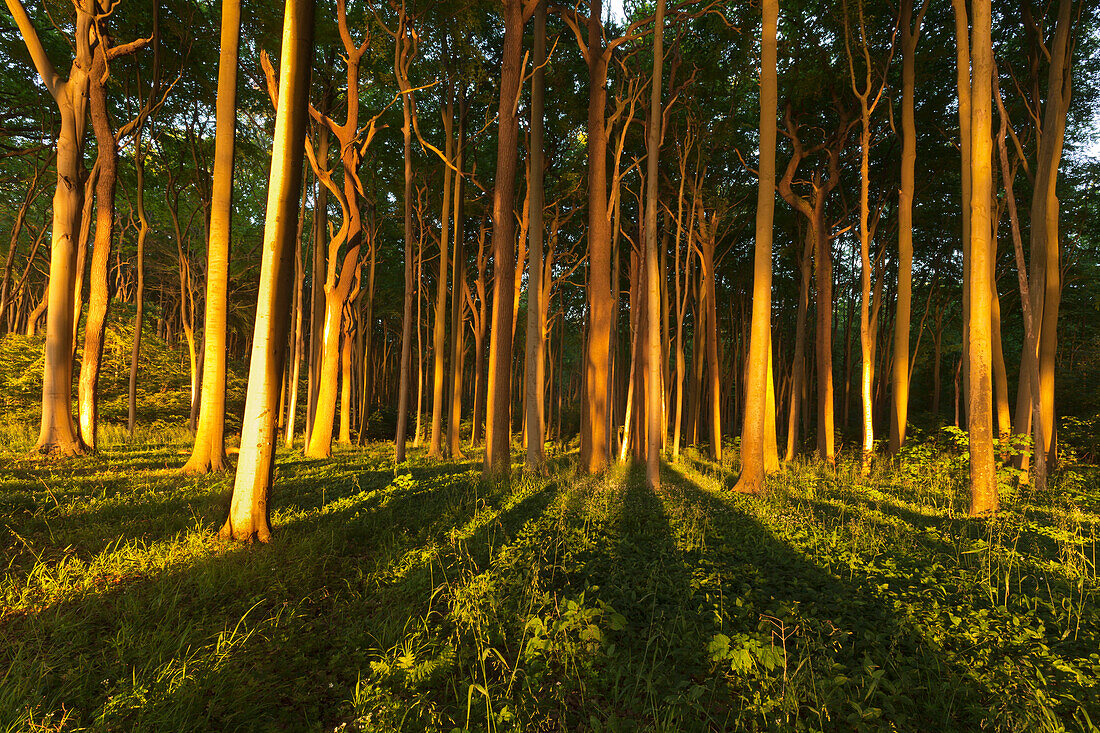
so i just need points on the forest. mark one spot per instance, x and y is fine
(396, 365)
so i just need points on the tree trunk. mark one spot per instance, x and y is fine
(458, 294)
(900, 392)
(594, 441)
(96, 324)
(751, 479)
(499, 393)
(248, 514)
(58, 433)
(535, 358)
(209, 451)
(654, 405)
(983, 471)
(439, 327)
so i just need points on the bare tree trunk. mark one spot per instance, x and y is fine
(249, 508)
(751, 479)
(654, 406)
(983, 470)
(439, 326)
(458, 294)
(498, 408)
(209, 451)
(535, 358)
(58, 433)
(910, 33)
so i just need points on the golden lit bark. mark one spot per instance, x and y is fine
(208, 453)
(654, 406)
(910, 33)
(751, 479)
(248, 513)
(58, 433)
(499, 382)
(983, 472)
(535, 361)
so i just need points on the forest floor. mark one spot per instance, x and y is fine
(432, 600)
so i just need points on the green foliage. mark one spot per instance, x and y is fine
(432, 600)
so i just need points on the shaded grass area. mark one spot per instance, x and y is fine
(431, 600)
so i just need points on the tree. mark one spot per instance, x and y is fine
(248, 512)
(983, 471)
(535, 361)
(208, 453)
(751, 479)
(58, 433)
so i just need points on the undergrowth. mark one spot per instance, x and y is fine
(428, 599)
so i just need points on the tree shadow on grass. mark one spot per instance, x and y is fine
(250, 638)
(859, 662)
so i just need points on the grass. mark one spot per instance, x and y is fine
(431, 600)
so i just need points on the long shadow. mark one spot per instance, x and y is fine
(252, 638)
(841, 623)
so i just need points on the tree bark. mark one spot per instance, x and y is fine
(983, 471)
(654, 406)
(499, 392)
(248, 514)
(208, 453)
(535, 358)
(751, 479)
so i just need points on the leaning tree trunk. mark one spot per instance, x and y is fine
(248, 513)
(96, 325)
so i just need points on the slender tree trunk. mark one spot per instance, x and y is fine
(798, 364)
(439, 327)
(317, 287)
(654, 406)
(900, 392)
(962, 35)
(209, 451)
(296, 337)
(96, 326)
(983, 471)
(535, 361)
(594, 440)
(499, 395)
(458, 294)
(410, 291)
(751, 479)
(139, 266)
(249, 508)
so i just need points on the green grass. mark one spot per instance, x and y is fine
(435, 601)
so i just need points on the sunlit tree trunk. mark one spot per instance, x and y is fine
(58, 433)
(458, 296)
(654, 404)
(910, 33)
(983, 471)
(751, 479)
(296, 339)
(535, 361)
(400, 57)
(439, 325)
(499, 383)
(248, 513)
(594, 413)
(208, 453)
(962, 63)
